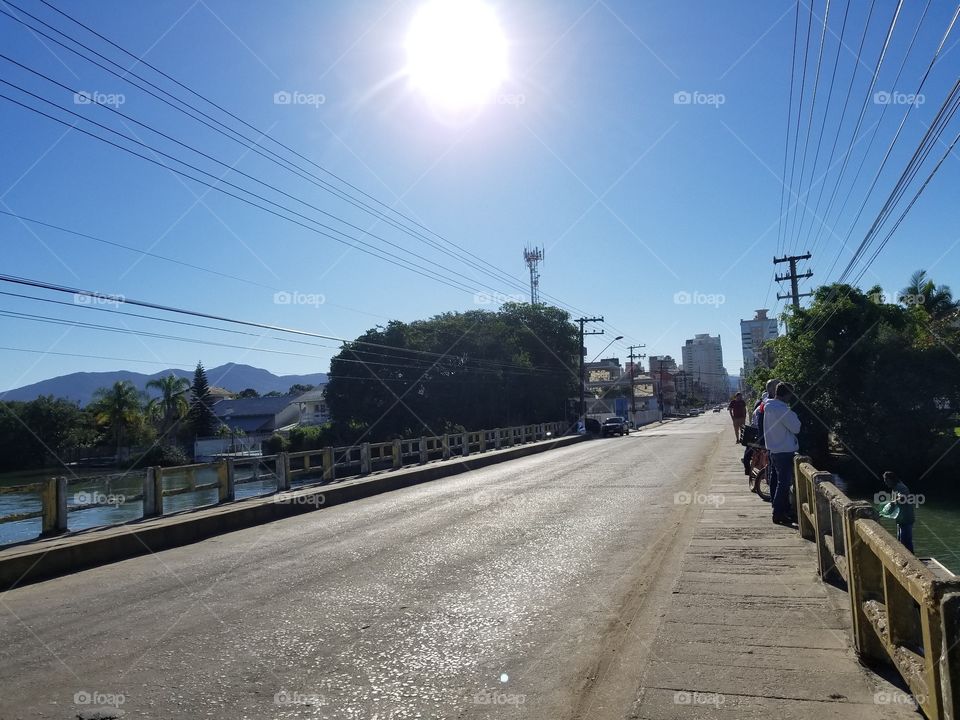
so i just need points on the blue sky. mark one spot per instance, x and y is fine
(584, 150)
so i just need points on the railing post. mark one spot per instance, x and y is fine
(329, 469)
(466, 444)
(806, 529)
(397, 452)
(365, 458)
(950, 656)
(54, 499)
(496, 439)
(864, 582)
(510, 438)
(483, 441)
(153, 492)
(424, 455)
(226, 476)
(446, 446)
(822, 510)
(283, 472)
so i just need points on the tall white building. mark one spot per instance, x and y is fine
(703, 363)
(753, 334)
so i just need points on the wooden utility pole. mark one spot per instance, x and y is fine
(793, 277)
(583, 350)
(633, 378)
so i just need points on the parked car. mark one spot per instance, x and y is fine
(717, 409)
(614, 426)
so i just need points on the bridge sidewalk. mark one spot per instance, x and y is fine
(751, 631)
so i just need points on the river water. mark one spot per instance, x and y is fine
(936, 533)
(89, 486)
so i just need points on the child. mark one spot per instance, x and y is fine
(905, 503)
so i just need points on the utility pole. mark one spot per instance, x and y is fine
(582, 321)
(633, 379)
(793, 277)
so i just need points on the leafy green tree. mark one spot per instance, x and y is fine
(300, 389)
(248, 393)
(119, 409)
(476, 369)
(35, 433)
(200, 415)
(171, 406)
(870, 385)
(936, 301)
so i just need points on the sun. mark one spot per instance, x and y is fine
(456, 53)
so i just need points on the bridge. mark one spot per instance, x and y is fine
(630, 577)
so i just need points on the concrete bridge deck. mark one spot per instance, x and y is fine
(751, 631)
(628, 577)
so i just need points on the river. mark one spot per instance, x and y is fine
(86, 486)
(936, 533)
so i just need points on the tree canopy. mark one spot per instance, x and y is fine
(476, 369)
(879, 379)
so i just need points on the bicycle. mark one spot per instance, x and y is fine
(759, 460)
(759, 469)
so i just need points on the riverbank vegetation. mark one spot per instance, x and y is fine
(877, 380)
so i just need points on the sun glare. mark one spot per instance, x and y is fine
(456, 53)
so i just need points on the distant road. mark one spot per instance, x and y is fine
(529, 589)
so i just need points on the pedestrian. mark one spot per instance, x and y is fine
(738, 413)
(780, 428)
(905, 502)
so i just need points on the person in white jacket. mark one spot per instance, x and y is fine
(780, 428)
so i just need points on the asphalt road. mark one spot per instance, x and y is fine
(531, 589)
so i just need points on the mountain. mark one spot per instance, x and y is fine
(81, 386)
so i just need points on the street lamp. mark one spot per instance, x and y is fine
(618, 337)
(583, 406)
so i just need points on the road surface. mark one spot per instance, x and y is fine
(529, 589)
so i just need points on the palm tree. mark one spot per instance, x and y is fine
(119, 408)
(171, 406)
(936, 300)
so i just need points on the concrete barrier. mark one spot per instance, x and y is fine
(42, 559)
(904, 614)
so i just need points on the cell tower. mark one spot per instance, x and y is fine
(533, 258)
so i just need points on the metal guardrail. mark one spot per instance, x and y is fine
(328, 463)
(904, 614)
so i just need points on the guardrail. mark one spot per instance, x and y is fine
(904, 613)
(326, 465)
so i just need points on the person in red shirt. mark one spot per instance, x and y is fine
(738, 413)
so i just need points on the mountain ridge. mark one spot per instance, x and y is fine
(80, 386)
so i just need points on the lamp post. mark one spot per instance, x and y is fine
(583, 405)
(618, 337)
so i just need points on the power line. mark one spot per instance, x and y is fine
(252, 144)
